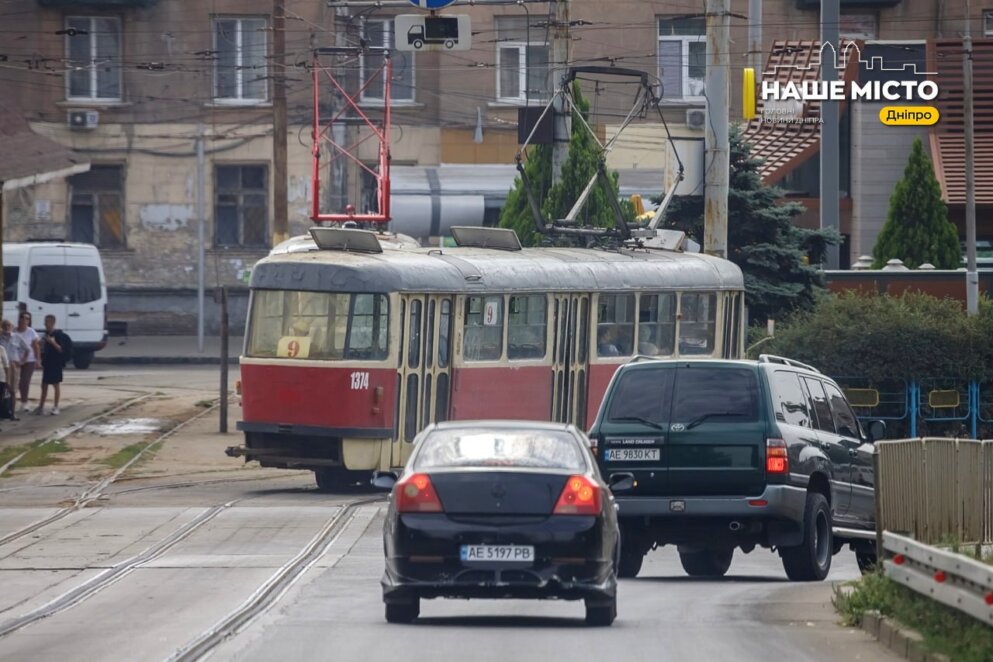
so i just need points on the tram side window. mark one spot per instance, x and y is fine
(483, 337)
(657, 324)
(318, 325)
(615, 325)
(526, 327)
(368, 336)
(698, 322)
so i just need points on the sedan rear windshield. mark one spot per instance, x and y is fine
(545, 449)
(684, 394)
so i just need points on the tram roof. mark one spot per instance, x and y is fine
(463, 269)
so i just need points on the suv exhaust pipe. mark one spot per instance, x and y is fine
(735, 525)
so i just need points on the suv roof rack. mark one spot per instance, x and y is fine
(772, 358)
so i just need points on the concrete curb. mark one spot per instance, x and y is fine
(906, 643)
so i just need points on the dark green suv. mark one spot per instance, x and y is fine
(718, 455)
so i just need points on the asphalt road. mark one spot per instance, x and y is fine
(170, 551)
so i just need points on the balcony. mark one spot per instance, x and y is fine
(98, 4)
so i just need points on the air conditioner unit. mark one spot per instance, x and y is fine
(696, 118)
(83, 119)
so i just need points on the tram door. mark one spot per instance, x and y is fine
(424, 375)
(570, 358)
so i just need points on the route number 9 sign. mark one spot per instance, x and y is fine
(491, 312)
(293, 347)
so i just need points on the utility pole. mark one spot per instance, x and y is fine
(716, 141)
(561, 61)
(756, 52)
(971, 274)
(830, 139)
(339, 131)
(280, 226)
(201, 233)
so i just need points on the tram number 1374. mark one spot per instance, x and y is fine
(360, 381)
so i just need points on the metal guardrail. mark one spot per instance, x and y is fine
(936, 490)
(953, 579)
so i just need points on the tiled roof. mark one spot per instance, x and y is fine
(785, 146)
(24, 153)
(948, 135)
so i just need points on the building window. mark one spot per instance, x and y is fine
(988, 23)
(96, 209)
(379, 33)
(240, 70)
(93, 49)
(522, 61)
(682, 57)
(241, 208)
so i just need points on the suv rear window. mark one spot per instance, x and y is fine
(54, 283)
(732, 393)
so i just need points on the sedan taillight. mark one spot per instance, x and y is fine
(415, 494)
(580, 496)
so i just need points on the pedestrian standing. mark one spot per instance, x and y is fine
(17, 353)
(53, 359)
(6, 411)
(30, 338)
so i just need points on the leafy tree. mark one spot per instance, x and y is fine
(778, 258)
(917, 228)
(557, 200)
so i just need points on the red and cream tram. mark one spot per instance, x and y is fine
(351, 349)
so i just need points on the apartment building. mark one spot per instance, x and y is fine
(134, 86)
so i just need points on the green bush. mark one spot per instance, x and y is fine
(880, 337)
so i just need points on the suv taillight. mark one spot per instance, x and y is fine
(415, 494)
(776, 459)
(580, 496)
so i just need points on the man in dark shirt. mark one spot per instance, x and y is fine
(53, 359)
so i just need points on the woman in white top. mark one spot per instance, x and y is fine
(30, 338)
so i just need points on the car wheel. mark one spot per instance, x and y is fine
(810, 561)
(402, 612)
(866, 561)
(82, 360)
(629, 563)
(601, 613)
(706, 562)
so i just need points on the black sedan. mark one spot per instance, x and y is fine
(500, 509)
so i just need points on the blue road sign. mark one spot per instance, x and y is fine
(431, 4)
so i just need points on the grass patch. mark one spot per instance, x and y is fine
(38, 454)
(123, 456)
(945, 630)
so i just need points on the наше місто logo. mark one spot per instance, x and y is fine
(784, 99)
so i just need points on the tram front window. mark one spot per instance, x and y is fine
(318, 325)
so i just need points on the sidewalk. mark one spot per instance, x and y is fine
(131, 350)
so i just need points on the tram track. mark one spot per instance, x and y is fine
(274, 587)
(72, 429)
(110, 576)
(97, 490)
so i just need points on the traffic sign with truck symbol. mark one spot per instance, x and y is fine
(415, 32)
